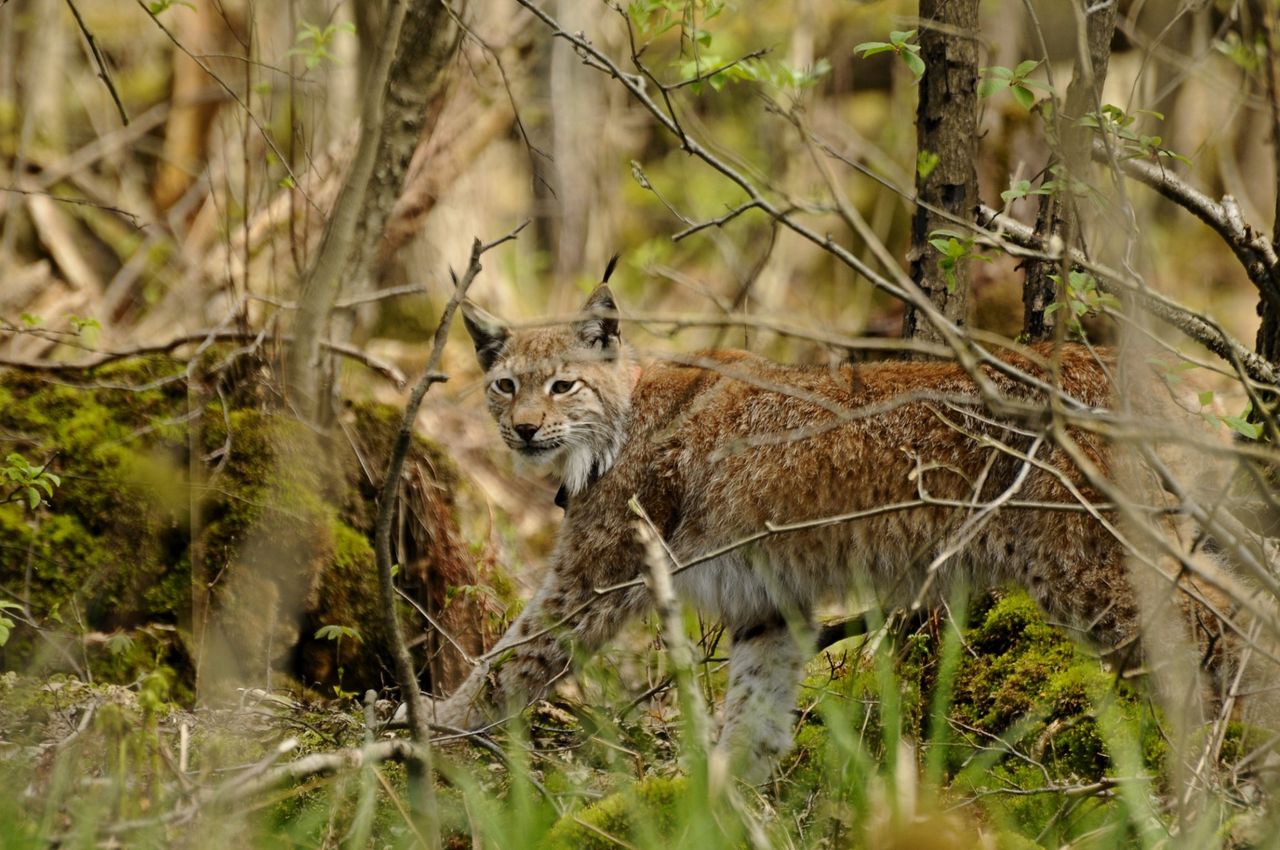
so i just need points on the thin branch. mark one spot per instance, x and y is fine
(265, 778)
(706, 75)
(102, 358)
(81, 202)
(262, 131)
(1202, 329)
(419, 727)
(1252, 248)
(715, 222)
(100, 61)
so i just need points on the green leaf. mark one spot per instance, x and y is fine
(915, 63)
(33, 497)
(1206, 397)
(336, 632)
(1024, 96)
(871, 48)
(119, 643)
(1026, 67)
(1020, 189)
(1243, 427)
(991, 86)
(901, 37)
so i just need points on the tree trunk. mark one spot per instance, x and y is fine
(946, 128)
(424, 37)
(1268, 343)
(1058, 216)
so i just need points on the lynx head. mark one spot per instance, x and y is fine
(560, 394)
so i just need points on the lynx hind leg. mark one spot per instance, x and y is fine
(766, 665)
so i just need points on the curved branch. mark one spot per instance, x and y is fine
(1252, 248)
(1203, 330)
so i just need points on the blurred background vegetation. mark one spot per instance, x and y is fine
(190, 593)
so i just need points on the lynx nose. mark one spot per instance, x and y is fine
(526, 432)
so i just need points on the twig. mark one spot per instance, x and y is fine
(724, 66)
(264, 778)
(262, 131)
(419, 727)
(353, 301)
(82, 202)
(1202, 329)
(102, 358)
(1252, 248)
(100, 61)
(715, 222)
(431, 621)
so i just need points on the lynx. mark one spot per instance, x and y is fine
(727, 444)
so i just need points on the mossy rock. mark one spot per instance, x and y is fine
(1025, 671)
(275, 516)
(644, 814)
(1018, 679)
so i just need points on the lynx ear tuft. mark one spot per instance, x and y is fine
(608, 270)
(601, 328)
(488, 332)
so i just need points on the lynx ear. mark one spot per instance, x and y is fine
(488, 333)
(601, 328)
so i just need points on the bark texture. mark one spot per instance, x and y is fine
(946, 127)
(1058, 216)
(420, 37)
(1268, 343)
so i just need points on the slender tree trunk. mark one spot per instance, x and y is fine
(1058, 216)
(419, 39)
(946, 128)
(1268, 342)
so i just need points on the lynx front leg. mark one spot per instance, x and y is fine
(766, 664)
(564, 619)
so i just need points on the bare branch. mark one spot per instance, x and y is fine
(387, 497)
(1252, 248)
(1202, 329)
(262, 131)
(100, 61)
(387, 370)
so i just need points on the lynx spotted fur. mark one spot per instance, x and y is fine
(724, 448)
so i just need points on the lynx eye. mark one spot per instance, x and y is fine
(562, 387)
(506, 386)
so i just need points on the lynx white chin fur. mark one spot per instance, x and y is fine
(720, 451)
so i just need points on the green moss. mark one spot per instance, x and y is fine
(648, 810)
(281, 534)
(1024, 671)
(1020, 682)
